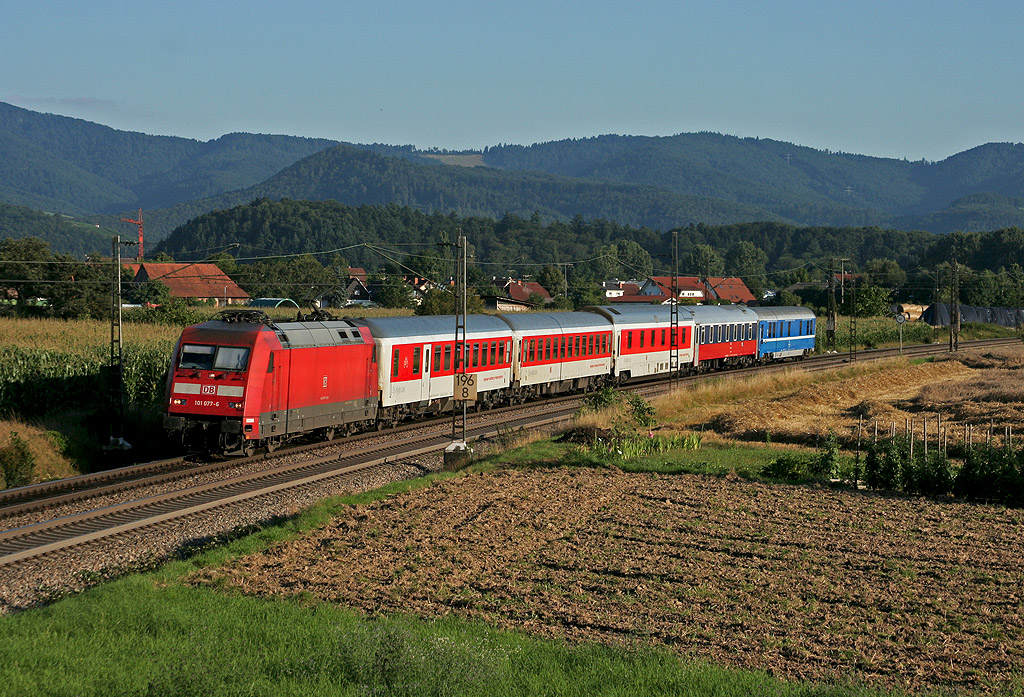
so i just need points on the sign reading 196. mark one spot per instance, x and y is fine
(465, 387)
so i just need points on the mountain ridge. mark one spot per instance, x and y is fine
(67, 165)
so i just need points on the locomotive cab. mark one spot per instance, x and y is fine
(211, 386)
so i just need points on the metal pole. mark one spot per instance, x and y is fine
(673, 360)
(117, 441)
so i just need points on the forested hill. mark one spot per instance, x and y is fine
(64, 235)
(794, 182)
(267, 227)
(65, 165)
(68, 165)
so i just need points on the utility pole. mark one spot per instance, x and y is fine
(457, 454)
(853, 320)
(830, 319)
(673, 360)
(117, 441)
(954, 307)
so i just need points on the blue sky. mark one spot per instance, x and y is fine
(894, 79)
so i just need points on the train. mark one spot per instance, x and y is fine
(241, 381)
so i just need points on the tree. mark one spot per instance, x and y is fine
(151, 293)
(703, 260)
(748, 261)
(437, 302)
(873, 301)
(394, 292)
(224, 261)
(885, 272)
(552, 279)
(634, 260)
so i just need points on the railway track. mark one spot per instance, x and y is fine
(289, 470)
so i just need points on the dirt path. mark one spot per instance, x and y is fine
(803, 582)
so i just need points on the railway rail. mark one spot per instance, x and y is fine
(36, 542)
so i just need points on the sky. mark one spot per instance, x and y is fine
(904, 79)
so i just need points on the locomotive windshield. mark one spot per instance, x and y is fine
(198, 357)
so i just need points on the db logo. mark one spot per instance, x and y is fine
(209, 389)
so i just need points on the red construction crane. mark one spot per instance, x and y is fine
(139, 223)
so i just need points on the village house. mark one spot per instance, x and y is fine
(204, 282)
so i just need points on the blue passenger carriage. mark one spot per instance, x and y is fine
(784, 332)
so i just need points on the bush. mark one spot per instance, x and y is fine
(825, 464)
(786, 467)
(16, 462)
(600, 399)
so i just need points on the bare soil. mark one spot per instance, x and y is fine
(804, 582)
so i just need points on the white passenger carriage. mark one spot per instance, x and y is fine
(643, 339)
(557, 352)
(417, 360)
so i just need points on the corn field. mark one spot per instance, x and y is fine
(49, 366)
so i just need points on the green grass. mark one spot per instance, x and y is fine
(141, 636)
(714, 459)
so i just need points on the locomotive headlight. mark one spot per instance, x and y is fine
(179, 402)
(235, 405)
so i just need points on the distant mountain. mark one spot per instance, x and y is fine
(64, 165)
(811, 186)
(68, 165)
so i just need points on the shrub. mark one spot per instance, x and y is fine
(825, 464)
(16, 462)
(640, 410)
(786, 467)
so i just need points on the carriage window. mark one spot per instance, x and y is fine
(533, 349)
(416, 352)
(476, 354)
(641, 338)
(576, 346)
(448, 357)
(663, 337)
(629, 340)
(547, 349)
(437, 361)
(483, 353)
(501, 353)
(394, 364)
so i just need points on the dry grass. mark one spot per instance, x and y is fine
(800, 408)
(45, 446)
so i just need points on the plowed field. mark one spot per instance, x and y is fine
(803, 582)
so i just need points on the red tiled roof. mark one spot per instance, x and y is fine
(518, 290)
(685, 283)
(731, 288)
(357, 272)
(190, 280)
